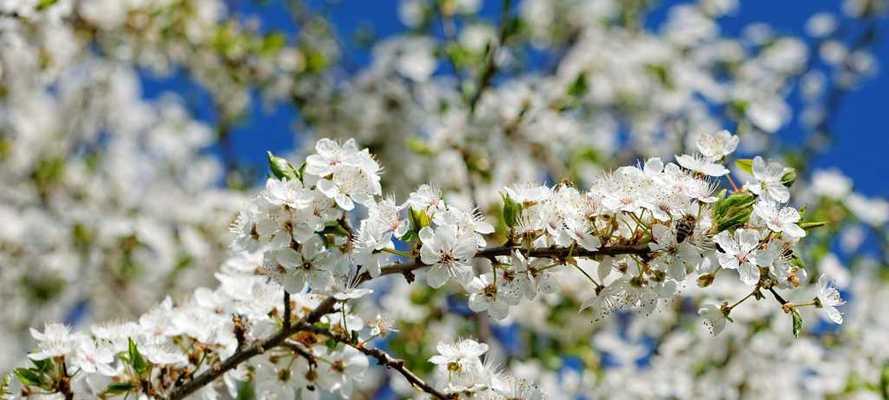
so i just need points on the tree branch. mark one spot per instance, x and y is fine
(327, 306)
(382, 358)
(245, 354)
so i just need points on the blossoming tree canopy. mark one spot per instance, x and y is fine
(531, 200)
(283, 321)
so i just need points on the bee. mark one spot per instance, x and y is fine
(685, 227)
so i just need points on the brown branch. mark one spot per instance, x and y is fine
(245, 354)
(287, 311)
(778, 296)
(549, 252)
(302, 351)
(327, 306)
(383, 358)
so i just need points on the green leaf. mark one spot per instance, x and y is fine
(316, 61)
(460, 56)
(796, 261)
(797, 322)
(44, 4)
(739, 107)
(419, 219)
(44, 365)
(273, 43)
(28, 377)
(281, 168)
(119, 388)
(579, 86)
(512, 211)
(335, 228)
(409, 236)
(662, 74)
(745, 164)
(4, 386)
(884, 381)
(788, 178)
(812, 224)
(136, 360)
(417, 145)
(733, 211)
(246, 391)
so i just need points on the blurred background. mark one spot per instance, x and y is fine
(856, 148)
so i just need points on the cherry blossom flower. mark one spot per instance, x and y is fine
(738, 251)
(714, 318)
(717, 145)
(829, 299)
(55, 340)
(484, 297)
(448, 254)
(782, 220)
(768, 182)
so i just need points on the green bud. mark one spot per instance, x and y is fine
(419, 220)
(282, 169)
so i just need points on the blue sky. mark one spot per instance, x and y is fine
(860, 138)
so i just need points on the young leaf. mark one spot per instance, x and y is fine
(788, 178)
(27, 376)
(136, 360)
(797, 322)
(745, 164)
(419, 219)
(44, 4)
(512, 211)
(812, 224)
(884, 381)
(418, 146)
(117, 388)
(42, 365)
(733, 211)
(4, 386)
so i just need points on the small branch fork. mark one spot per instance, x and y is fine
(306, 323)
(382, 358)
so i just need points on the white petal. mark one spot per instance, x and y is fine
(437, 276)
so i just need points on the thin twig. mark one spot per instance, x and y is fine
(287, 310)
(490, 68)
(302, 351)
(382, 358)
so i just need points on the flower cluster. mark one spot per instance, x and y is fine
(644, 229)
